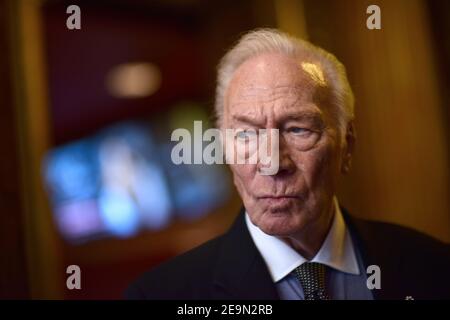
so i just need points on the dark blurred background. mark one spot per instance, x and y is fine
(86, 118)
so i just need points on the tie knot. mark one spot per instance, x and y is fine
(312, 278)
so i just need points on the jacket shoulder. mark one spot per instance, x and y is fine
(406, 239)
(187, 276)
(411, 262)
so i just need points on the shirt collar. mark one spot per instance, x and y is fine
(337, 250)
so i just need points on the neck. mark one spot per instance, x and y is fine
(309, 241)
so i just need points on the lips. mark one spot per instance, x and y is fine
(278, 200)
(278, 197)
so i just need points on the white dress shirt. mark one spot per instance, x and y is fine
(336, 252)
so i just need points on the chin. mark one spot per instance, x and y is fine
(279, 224)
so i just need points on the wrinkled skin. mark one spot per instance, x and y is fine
(272, 91)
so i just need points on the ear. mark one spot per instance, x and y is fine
(348, 147)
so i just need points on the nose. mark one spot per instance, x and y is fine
(285, 164)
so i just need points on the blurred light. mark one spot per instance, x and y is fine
(119, 212)
(152, 196)
(116, 162)
(122, 180)
(133, 80)
(79, 219)
(72, 172)
(125, 165)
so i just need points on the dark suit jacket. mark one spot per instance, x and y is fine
(231, 267)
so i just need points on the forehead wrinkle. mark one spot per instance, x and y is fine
(276, 116)
(266, 94)
(259, 86)
(289, 98)
(253, 117)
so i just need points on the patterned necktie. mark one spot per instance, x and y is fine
(312, 278)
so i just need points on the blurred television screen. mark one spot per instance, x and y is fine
(121, 181)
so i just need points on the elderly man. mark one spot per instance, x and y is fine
(292, 240)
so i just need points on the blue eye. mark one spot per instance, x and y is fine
(246, 134)
(299, 131)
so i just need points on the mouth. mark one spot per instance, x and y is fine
(278, 197)
(281, 200)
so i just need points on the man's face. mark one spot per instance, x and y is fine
(273, 91)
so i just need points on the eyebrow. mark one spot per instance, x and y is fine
(297, 116)
(314, 116)
(245, 119)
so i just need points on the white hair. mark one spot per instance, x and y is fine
(261, 41)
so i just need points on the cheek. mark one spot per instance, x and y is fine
(320, 165)
(243, 175)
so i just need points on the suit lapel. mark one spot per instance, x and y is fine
(375, 251)
(241, 272)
